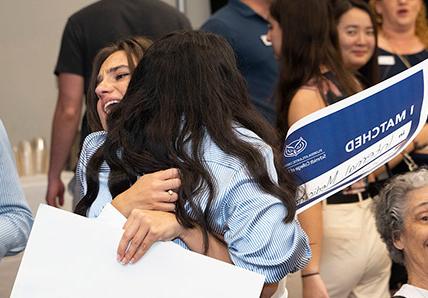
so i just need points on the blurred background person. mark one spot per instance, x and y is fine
(403, 34)
(15, 215)
(87, 31)
(403, 42)
(341, 230)
(402, 220)
(357, 33)
(243, 24)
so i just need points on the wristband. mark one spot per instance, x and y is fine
(310, 274)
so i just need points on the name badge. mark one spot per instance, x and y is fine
(265, 41)
(386, 60)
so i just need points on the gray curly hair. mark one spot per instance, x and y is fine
(391, 206)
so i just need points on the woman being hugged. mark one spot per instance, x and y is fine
(187, 107)
(112, 70)
(313, 76)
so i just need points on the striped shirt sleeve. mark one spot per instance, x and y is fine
(257, 237)
(15, 216)
(90, 145)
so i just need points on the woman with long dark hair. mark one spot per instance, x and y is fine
(111, 72)
(113, 67)
(187, 107)
(313, 75)
(357, 33)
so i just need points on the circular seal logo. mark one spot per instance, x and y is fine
(295, 148)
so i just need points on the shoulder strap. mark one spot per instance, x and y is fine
(404, 60)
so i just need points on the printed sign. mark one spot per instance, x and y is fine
(344, 142)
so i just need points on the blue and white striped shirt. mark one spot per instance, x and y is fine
(250, 220)
(15, 216)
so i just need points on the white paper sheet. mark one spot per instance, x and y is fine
(71, 256)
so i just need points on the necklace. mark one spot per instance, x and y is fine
(402, 58)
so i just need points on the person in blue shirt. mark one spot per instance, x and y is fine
(15, 216)
(187, 107)
(244, 25)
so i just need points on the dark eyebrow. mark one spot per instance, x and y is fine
(113, 69)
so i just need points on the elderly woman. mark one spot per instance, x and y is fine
(402, 221)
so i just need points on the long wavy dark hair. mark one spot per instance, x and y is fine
(186, 86)
(369, 73)
(309, 41)
(134, 49)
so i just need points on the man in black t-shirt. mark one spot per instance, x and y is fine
(86, 32)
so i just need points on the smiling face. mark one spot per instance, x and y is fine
(112, 82)
(356, 38)
(274, 35)
(413, 240)
(398, 14)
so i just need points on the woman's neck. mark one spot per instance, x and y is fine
(418, 276)
(404, 41)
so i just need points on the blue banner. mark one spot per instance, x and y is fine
(344, 142)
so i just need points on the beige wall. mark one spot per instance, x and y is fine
(29, 42)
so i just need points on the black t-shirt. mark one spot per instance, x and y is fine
(391, 64)
(106, 21)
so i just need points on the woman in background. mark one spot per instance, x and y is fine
(313, 76)
(403, 34)
(357, 33)
(403, 42)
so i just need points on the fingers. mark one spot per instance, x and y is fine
(161, 180)
(61, 200)
(144, 247)
(168, 174)
(131, 228)
(137, 238)
(166, 207)
(138, 242)
(173, 183)
(51, 201)
(169, 196)
(142, 229)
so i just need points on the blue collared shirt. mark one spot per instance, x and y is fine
(250, 220)
(15, 216)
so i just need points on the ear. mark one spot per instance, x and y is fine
(398, 241)
(378, 7)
